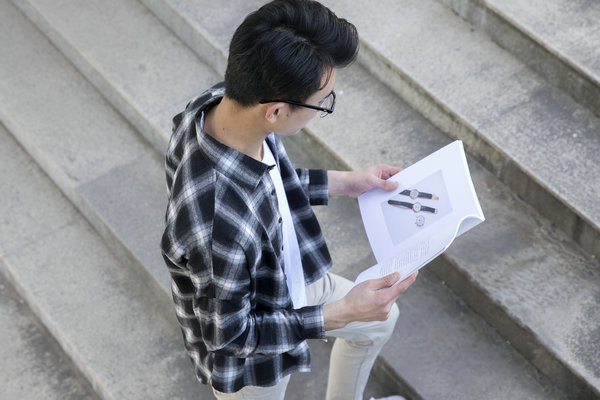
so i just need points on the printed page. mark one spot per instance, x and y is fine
(434, 203)
(409, 257)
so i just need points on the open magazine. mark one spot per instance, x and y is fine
(433, 204)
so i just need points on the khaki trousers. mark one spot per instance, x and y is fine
(355, 349)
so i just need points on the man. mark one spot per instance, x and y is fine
(249, 264)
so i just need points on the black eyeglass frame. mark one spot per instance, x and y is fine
(296, 103)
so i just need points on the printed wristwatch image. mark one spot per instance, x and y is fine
(414, 193)
(420, 221)
(416, 207)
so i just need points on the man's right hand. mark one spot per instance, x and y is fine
(370, 300)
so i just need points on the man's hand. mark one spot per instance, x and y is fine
(370, 300)
(355, 183)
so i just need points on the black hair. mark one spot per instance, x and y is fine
(283, 50)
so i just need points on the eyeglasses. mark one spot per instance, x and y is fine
(325, 107)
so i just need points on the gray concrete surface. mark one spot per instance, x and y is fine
(85, 147)
(558, 39)
(121, 336)
(163, 78)
(32, 365)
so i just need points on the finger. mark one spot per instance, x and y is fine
(383, 282)
(386, 281)
(405, 283)
(393, 292)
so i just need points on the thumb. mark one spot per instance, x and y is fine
(389, 185)
(383, 184)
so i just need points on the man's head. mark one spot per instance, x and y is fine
(287, 49)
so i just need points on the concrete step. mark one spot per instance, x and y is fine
(559, 39)
(529, 133)
(92, 153)
(32, 365)
(149, 92)
(91, 185)
(121, 337)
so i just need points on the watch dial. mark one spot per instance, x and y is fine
(420, 220)
(414, 193)
(416, 207)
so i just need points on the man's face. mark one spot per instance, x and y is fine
(293, 121)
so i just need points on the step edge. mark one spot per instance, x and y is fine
(118, 99)
(72, 193)
(554, 59)
(66, 347)
(197, 40)
(518, 333)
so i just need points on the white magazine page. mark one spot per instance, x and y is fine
(415, 253)
(435, 202)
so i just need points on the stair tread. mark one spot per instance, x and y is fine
(32, 366)
(163, 77)
(97, 161)
(121, 337)
(566, 28)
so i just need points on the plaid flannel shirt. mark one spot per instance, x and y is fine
(223, 247)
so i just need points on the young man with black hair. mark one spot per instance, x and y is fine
(248, 262)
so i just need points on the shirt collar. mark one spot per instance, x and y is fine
(232, 163)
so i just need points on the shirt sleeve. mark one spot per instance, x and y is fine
(315, 185)
(229, 323)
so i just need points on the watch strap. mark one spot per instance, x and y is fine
(401, 203)
(410, 206)
(422, 195)
(429, 209)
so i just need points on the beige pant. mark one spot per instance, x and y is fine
(354, 351)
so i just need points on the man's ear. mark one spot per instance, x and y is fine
(273, 111)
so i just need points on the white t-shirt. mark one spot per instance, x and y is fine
(292, 264)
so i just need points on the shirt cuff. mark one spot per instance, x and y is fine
(313, 324)
(318, 187)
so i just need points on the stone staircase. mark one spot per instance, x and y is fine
(87, 92)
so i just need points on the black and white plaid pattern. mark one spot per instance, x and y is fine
(222, 246)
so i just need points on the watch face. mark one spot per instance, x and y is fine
(420, 221)
(417, 207)
(414, 194)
